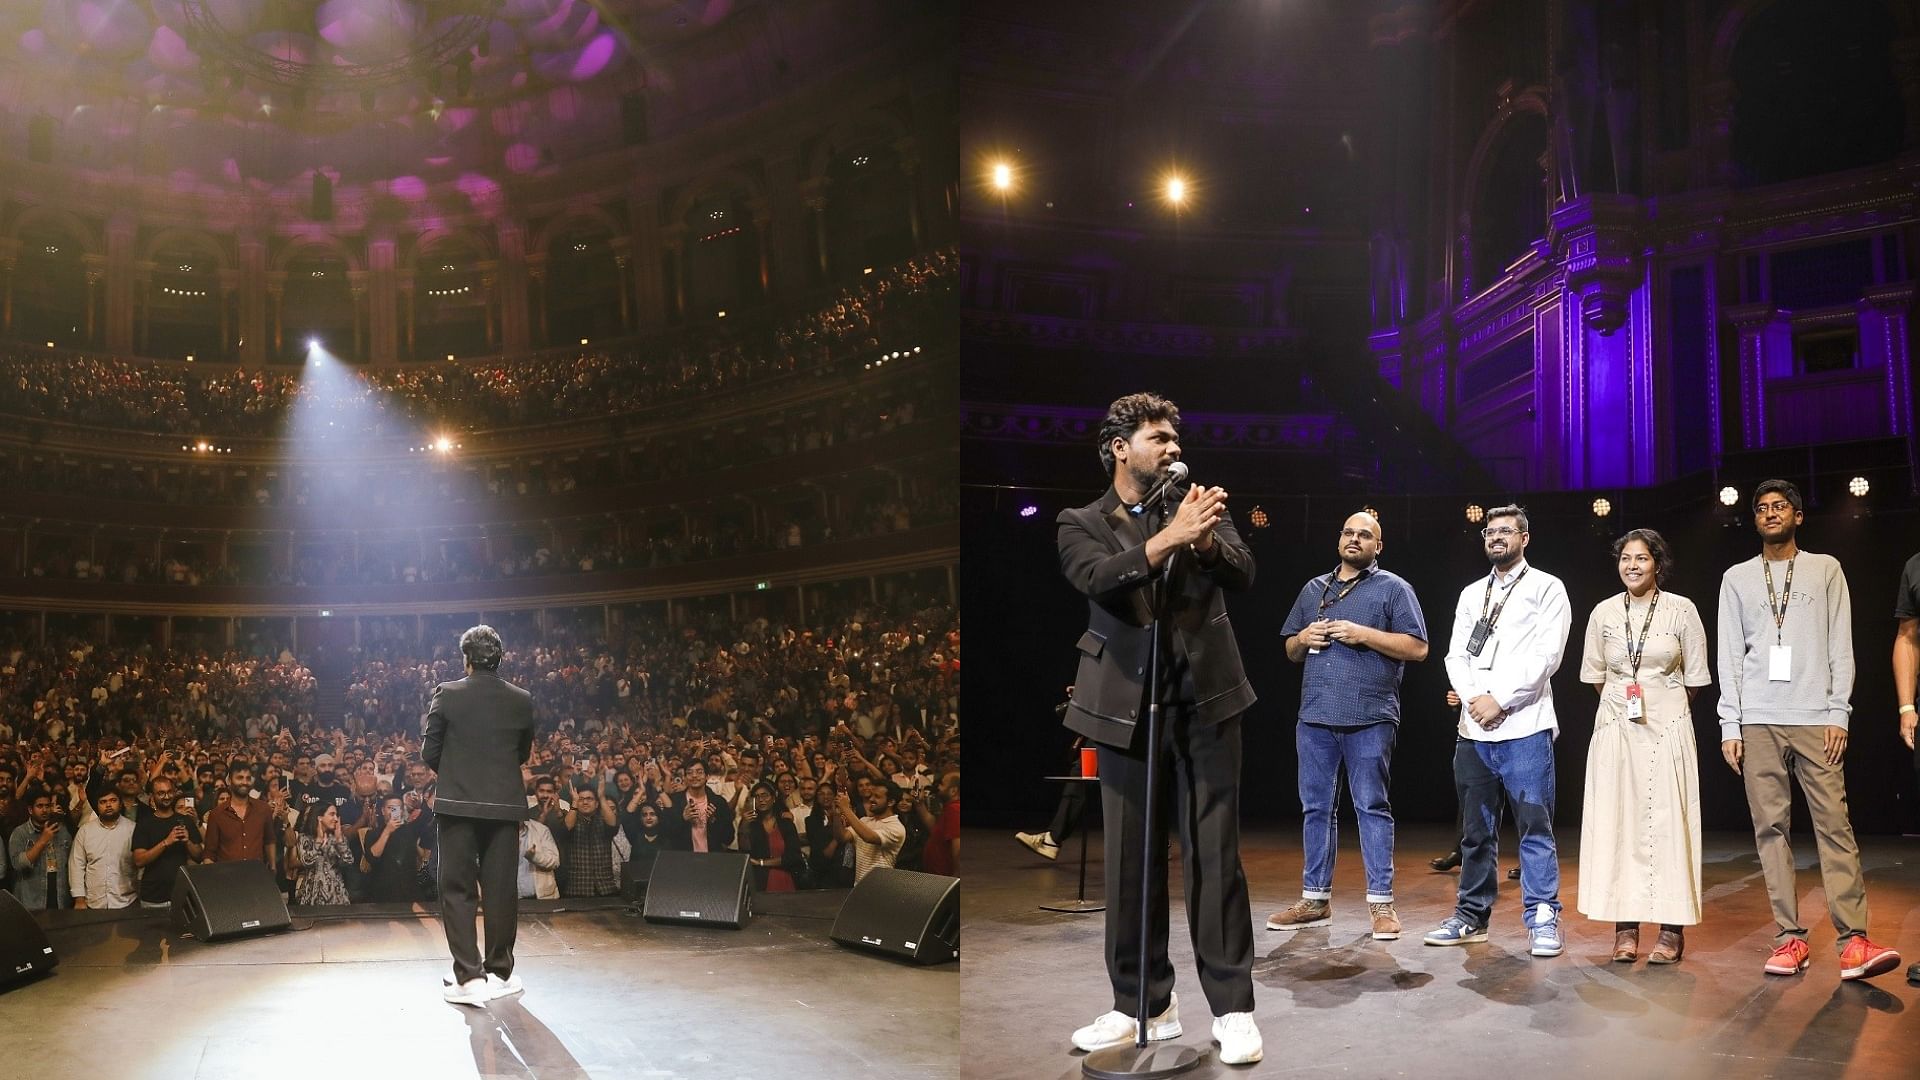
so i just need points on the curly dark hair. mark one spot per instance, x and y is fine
(1125, 416)
(1656, 546)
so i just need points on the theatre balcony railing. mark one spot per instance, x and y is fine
(799, 388)
(925, 548)
(930, 436)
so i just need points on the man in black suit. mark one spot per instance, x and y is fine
(479, 731)
(1128, 558)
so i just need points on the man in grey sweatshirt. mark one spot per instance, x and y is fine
(1786, 677)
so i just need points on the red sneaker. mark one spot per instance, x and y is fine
(1862, 959)
(1791, 958)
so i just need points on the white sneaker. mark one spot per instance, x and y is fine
(1041, 843)
(1117, 1028)
(471, 992)
(506, 987)
(1239, 1040)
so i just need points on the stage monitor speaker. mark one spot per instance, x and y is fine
(701, 888)
(634, 874)
(24, 952)
(217, 901)
(902, 913)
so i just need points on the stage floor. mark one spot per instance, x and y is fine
(1330, 1001)
(607, 996)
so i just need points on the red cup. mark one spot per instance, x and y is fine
(1089, 761)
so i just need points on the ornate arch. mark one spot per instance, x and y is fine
(579, 213)
(723, 181)
(871, 124)
(65, 220)
(1531, 100)
(441, 239)
(198, 239)
(304, 242)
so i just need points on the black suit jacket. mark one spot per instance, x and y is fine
(719, 827)
(1111, 570)
(479, 731)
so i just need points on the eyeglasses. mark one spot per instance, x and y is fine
(1501, 531)
(1774, 508)
(1349, 534)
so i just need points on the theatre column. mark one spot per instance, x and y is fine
(8, 256)
(1884, 324)
(908, 150)
(252, 283)
(675, 237)
(357, 296)
(789, 225)
(276, 299)
(120, 283)
(512, 287)
(383, 300)
(814, 197)
(1766, 350)
(649, 258)
(96, 273)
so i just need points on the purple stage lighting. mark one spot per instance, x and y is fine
(1029, 510)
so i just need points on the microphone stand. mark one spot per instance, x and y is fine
(1145, 1060)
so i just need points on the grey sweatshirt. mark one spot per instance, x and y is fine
(1819, 629)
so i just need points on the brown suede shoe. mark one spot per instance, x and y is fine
(1302, 914)
(1669, 946)
(1626, 945)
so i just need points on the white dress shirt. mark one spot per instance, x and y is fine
(101, 865)
(1517, 664)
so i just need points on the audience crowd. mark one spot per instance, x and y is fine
(819, 751)
(906, 306)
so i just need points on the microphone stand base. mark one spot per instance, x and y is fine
(1149, 1062)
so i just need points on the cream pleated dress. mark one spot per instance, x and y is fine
(1640, 826)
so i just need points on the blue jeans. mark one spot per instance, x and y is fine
(1367, 752)
(1522, 771)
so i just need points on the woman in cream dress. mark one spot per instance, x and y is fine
(1646, 653)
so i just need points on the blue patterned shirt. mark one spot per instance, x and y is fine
(1349, 685)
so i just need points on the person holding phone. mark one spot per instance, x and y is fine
(163, 841)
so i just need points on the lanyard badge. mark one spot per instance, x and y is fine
(1636, 706)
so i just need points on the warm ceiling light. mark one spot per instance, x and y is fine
(186, 268)
(1176, 189)
(446, 266)
(444, 445)
(1002, 176)
(1258, 516)
(1476, 513)
(1729, 495)
(1601, 508)
(1858, 486)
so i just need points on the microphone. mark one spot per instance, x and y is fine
(1176, 475)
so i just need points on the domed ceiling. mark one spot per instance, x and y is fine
(261, 93)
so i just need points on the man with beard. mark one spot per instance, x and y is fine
(101, 863)
(1509, 634)
(326, 788)
(241, 828)
(1130, 559)
(1354, 629)
(163, 842)
(1786, 688)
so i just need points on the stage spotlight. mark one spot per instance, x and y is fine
(1372, 512)
(1176, 189)
(1476, 513)
(583, 341)
(1029, 510)
(1258, 517)
(444, 445)
(1002, 176)
(1729, 495)
(1601, 508)
(1858, 486)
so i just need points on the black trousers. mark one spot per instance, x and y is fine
(479, 856)
(1072, 808)
(1199, 790)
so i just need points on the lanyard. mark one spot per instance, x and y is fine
(1504, 597)
(1327, 589)
(1778, 609)
(1635, 652)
